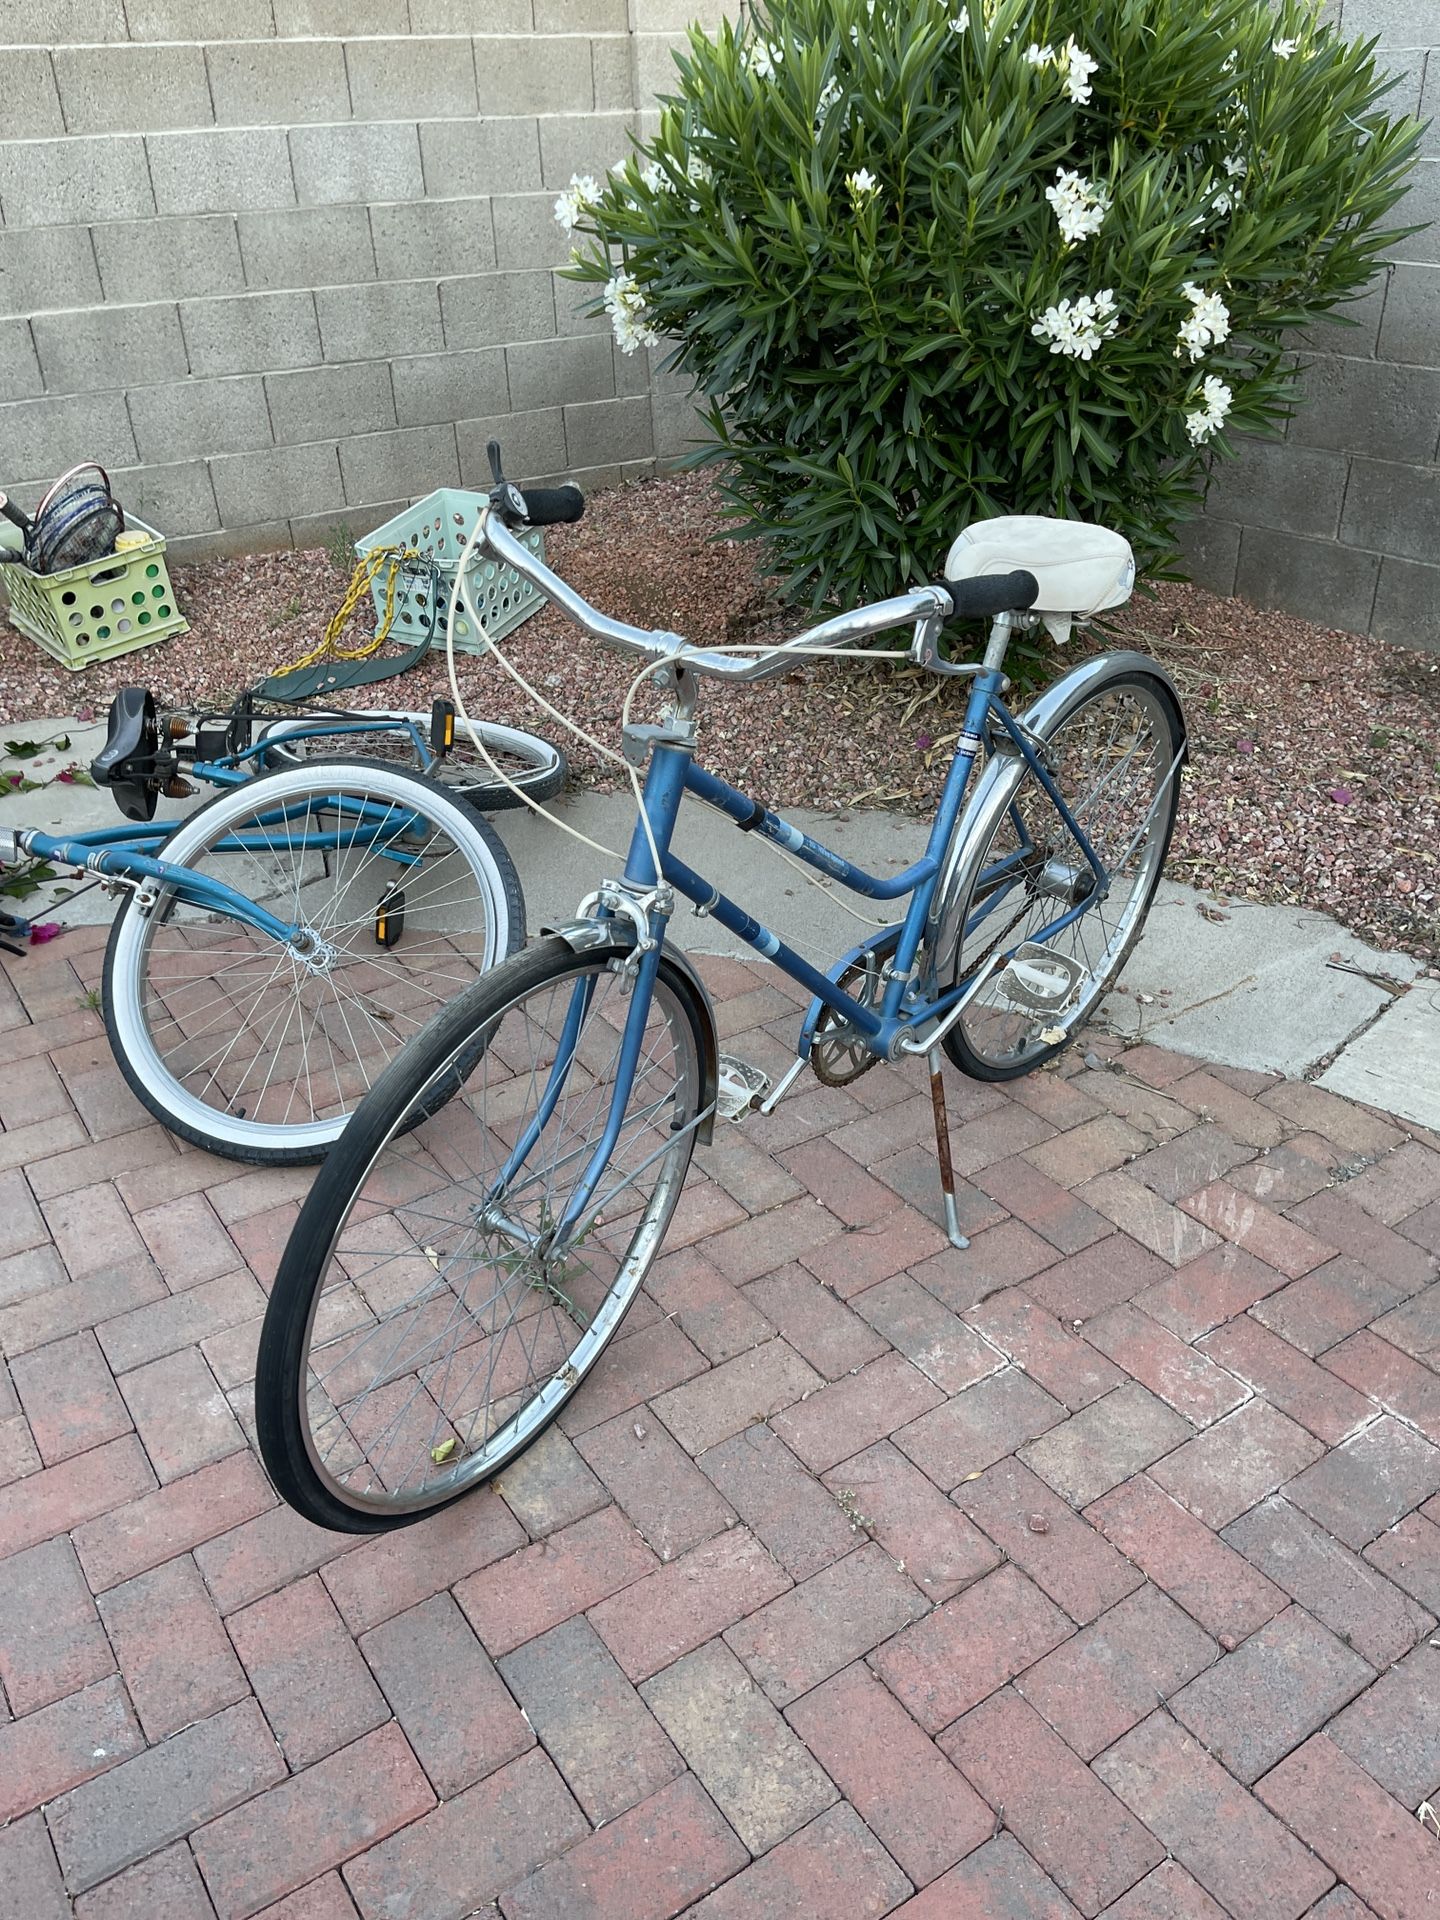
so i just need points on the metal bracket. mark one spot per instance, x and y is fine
(639, 740)
(637, 906)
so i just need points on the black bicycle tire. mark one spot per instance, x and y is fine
(493, 796)
(281, 1357)
(957, 1049)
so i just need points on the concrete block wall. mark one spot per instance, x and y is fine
(282, 264)
(1340, 521)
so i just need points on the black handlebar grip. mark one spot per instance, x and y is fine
(987, 594)
(552, 506)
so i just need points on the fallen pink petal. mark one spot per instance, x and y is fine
(1342, 796)
(44, 930)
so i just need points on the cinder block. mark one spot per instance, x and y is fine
(178, 499)
(1395, 23)
(1411, 331)
(534, 445)
(1272, 483)
(479, 156)
(583, 143)
(1354, 328)
(270, 83)
(1406, 66)
(1210, 549)
(306, 247)
(674, 16)
(396, 79)
(527, 234)
(356, 163)
(329, 403)
(198, 20)
(19, 368)
(93, 350)
(612, 66)
(57, 183)
(29, 102)
(272, 536)
(60, 23)
(434, 388)
(46, 267)
(47, 436)
(581, 16)
(277, 482)
(371, 323)
(1317, 579)
(677, 427)
(492, 309)
(593, 480)
(321, 529)
(1392, 509)
(459, 16)
(132, 89)
(251, 332)
(432, 238)
(1407, 604)
(572, 297)
(1369, 406)
(191, 254)
(377, 466)
(228, 170)
(655, 71)
(666, 375)
(521, 73)
(1430, 106)
(199, 418)
(1420, 207)
(551, 372)
(295, 18)
(630, 371)
(602, 432)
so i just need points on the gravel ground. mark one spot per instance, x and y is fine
(1313, 779)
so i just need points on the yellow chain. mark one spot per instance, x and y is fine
(361, 582)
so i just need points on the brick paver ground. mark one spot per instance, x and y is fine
(1093, 1570)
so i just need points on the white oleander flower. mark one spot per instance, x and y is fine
(1038, 56)
(1236, 165)
(1208, 323)
(579, 197)
(1077, 328)
(1079, 66)
(961, 21)
(1223, 202)
(762, 57)
(1208, 418)
(625, 303)
(830, 95)
(1080, 206)
(654, 176)
(861, 185)
(1282, 49)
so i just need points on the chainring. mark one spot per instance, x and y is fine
(838, 1053)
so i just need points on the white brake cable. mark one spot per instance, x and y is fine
(460, 595)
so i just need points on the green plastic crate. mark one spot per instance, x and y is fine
(436, 526)
(100, 610)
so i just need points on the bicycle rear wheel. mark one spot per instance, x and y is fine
(1111, 750)
(472, 1244)
(537, 768)
(241, 1044)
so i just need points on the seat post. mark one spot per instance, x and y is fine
(1001, 627)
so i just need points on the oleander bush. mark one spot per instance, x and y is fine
(926, 263)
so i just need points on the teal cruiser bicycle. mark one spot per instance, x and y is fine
(474, 1240)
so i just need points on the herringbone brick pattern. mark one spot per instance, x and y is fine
(1093, 1571)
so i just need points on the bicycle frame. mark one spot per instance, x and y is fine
(906, 1004)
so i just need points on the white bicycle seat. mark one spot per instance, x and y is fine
(1082, 569)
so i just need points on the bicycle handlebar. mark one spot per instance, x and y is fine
(921, 605)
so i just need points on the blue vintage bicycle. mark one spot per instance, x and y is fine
(474, 1240)
(273, 951)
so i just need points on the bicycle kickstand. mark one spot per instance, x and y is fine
(942, 1149)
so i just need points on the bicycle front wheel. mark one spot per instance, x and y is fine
(473, 1242)
(538, 769)
(245, 1045)
(1112, 751)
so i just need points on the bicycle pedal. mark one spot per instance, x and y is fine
(739, 1087)
(1038, 980)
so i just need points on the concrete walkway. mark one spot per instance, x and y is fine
(1268, 989)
